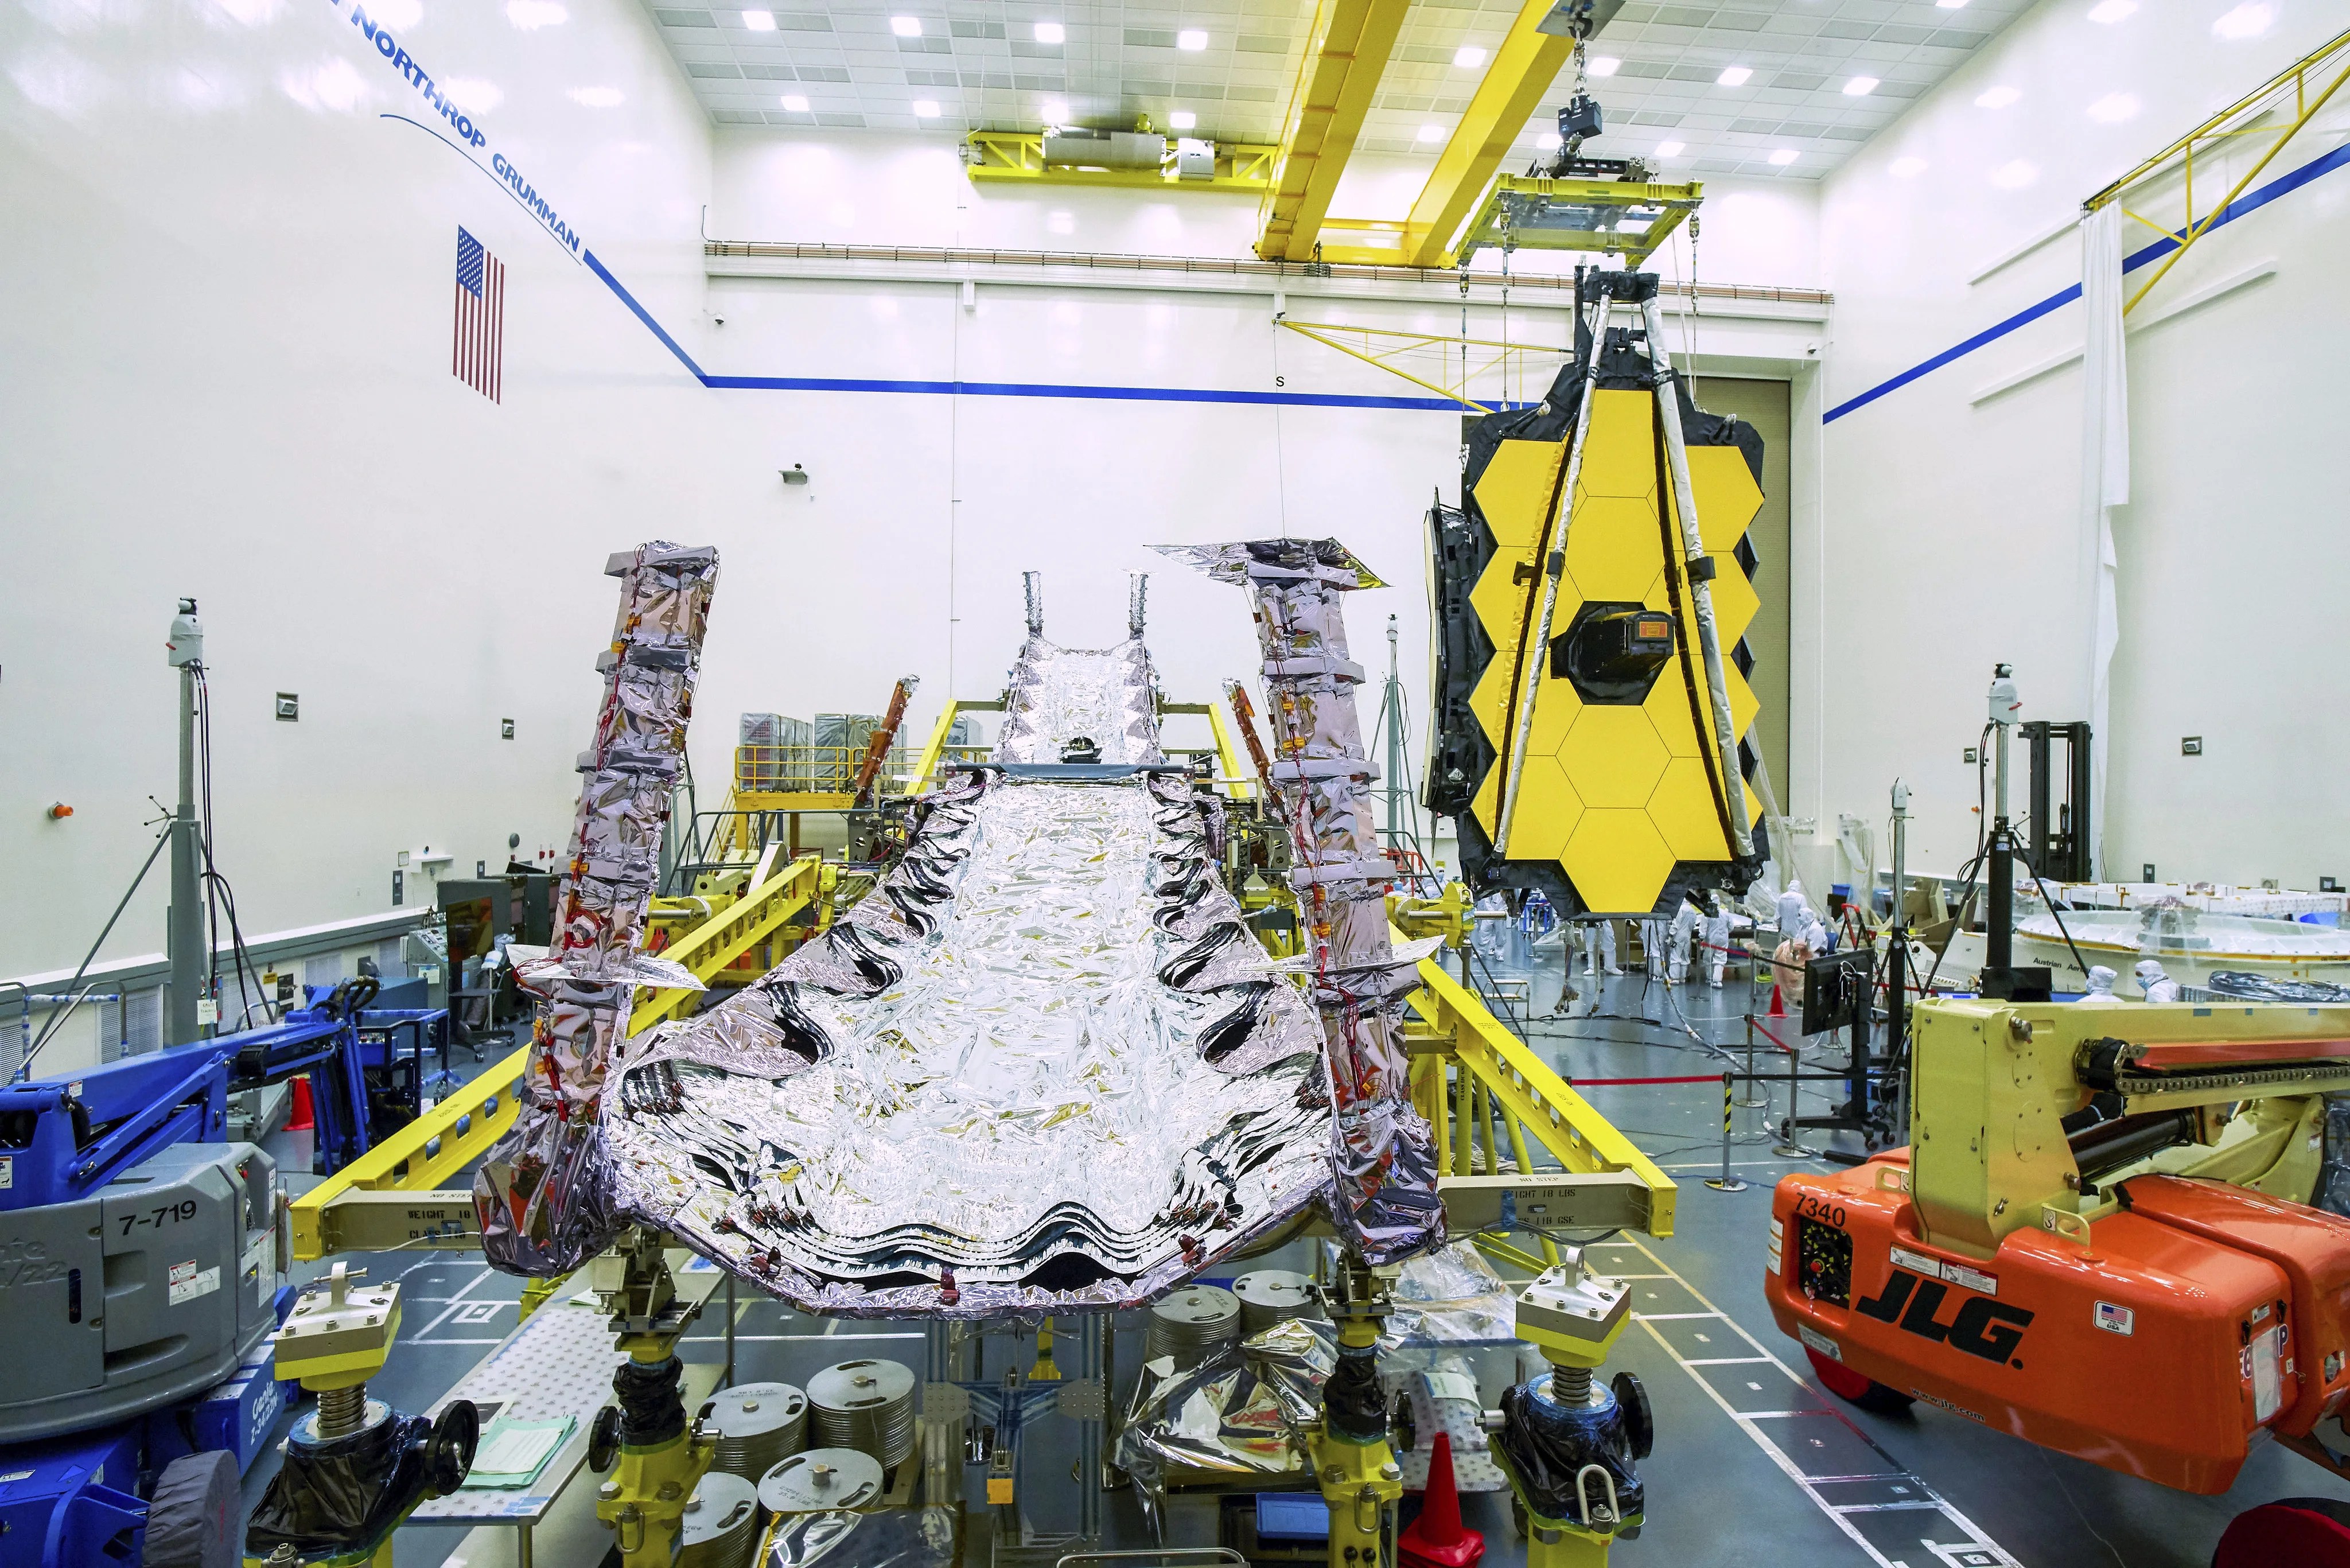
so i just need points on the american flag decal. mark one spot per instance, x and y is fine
(476, 355)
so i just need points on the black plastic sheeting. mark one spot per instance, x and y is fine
(1461, 545)
(653, 1411)
(1547, 1444)
(345, 1494)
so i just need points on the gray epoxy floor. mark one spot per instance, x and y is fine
(1719, 1493)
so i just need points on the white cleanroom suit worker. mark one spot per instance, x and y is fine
(1685, 923)
(2156, 985)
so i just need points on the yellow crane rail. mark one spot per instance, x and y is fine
(1337, 78)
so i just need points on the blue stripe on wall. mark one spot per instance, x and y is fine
(2242, 206)
(1015, 388)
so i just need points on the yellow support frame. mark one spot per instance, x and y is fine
(1019, 156)
(1469, 1069)
(772, 899)
(1340, 71)
(1503, 219)
(415, 1160)
(2180, 153)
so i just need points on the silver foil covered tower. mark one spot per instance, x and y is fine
(1383, 1196)
(544, 1192)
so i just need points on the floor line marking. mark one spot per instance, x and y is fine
(455, 1302)
(457, 1342)
(1686, 1316)
(1730, 1361)
(1809, 1484)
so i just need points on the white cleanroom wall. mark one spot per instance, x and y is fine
(228, 375)
(1952, 502)
(238, 387)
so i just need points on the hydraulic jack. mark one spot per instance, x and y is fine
(1362, 1485)
(1566, 1444)
(643, 1440)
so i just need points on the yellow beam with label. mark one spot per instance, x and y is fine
(417, 1158)
(1341, 69)
(1582, 1140)
(1524, 69)
(732, 932)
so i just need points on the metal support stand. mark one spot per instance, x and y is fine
(1787, 1147)
(1726, 1182)
(1759, 1101)
(186, 938)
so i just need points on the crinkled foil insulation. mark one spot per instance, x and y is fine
(1044, 1067)
(1382, 1154)
(543, 1193)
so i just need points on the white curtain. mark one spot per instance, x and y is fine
(2104, 482)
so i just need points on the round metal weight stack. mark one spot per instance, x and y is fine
(821, 1479)
(867, 1406)
(1269, 1296)
(720, 1528)
(1191, 1322)
(758, 1425)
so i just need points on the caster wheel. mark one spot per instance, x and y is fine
(604, 1440)
(2309, 1531)
(449, 1453)
(1855, 1389)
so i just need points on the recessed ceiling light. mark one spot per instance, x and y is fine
(1785, 156)
(596, 97)
(2113, 108)
(795, 104)
(1052, 33)
(2111, 11)
(1997, 98)
(1735, 76)
(532, 15)
(1602, 65)
(1468, 57)
(1432, 133)
(2014, 176)
(1182, 119)
(2246, 21)
(906, 27)
(759, 21)
(1191, 38)
(1906, 168)
(1860, 87)
(1548, 142)
(1669, 150)
(1056, 110)
(926, 109)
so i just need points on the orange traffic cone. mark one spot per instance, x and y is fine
(1778, 1002)
(1437, 1539)
(302, 1125)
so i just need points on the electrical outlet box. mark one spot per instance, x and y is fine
(2190, 746)
(2329, 885)
(289, 707)
(2146, 872)
(1972, 757)
(505, 729)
